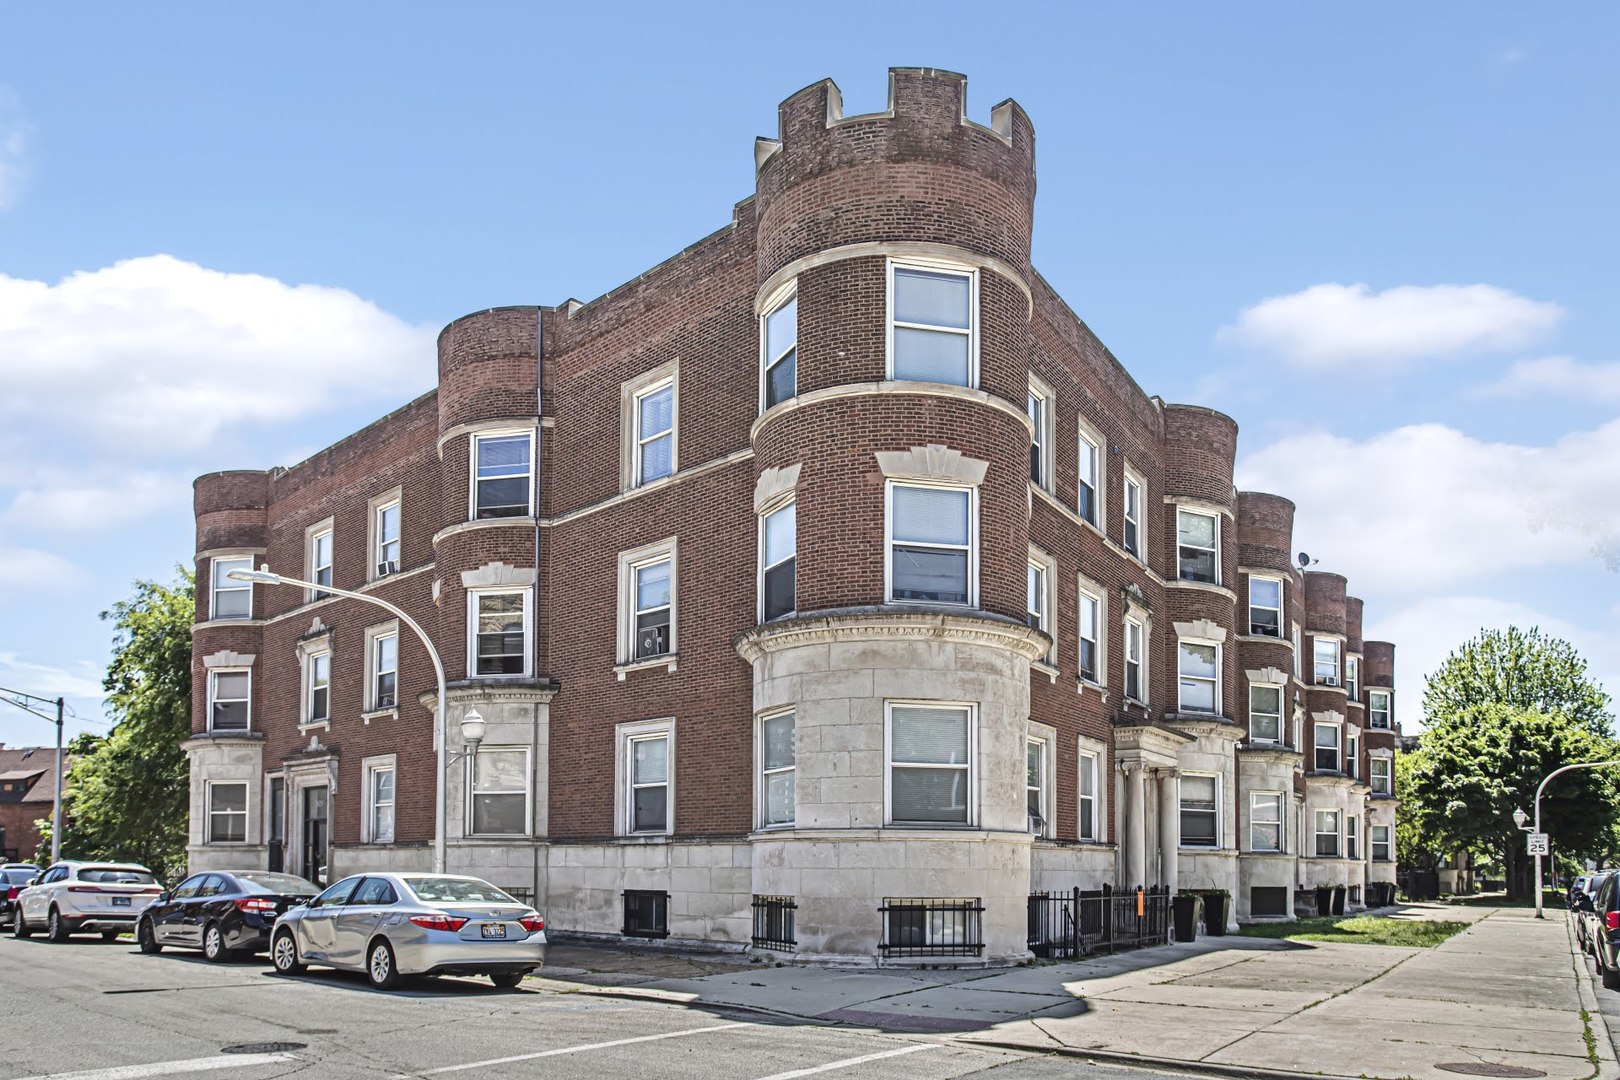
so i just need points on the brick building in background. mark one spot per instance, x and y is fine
(833, 559)
(27, 793)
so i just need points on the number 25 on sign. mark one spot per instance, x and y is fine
(1538, 843)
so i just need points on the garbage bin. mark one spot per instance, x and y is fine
(1215, 913)
(1324, 900)
(1338, 899)
(1184, 910)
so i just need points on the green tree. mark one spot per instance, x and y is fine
(130, 792)
(1503, 711)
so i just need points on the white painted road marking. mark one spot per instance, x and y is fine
(847, 1062)
(572, 1049)
(170, 1068)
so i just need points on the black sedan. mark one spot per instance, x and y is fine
(225, 914)
(14, 878)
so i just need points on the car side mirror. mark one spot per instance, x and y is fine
(162, 898)
(32, 882)
(1584, 905)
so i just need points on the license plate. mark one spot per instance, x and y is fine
(120, 901)
(494, 930)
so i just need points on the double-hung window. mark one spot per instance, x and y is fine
(653, 599)
(647, 776)
(1039, 407)
(1135, 669)
(1088, 496)
(1378, 767)
(1088, 795)
(1198, 546)
(1041, 599)
(319, 696)
(380, 801)
(648, 586)
(1352, 752)
(230, 694)
(320, 561)
(500, 633)
(501, 475)
(655, 432)
(1265, 606)
(230, 599)
(1035, 785)
(1378, 709)
(931, 329)
(778, 558)
(779, 333)
(1327, 834)
(500, 791)
(385, 671)
(1352, 677)
(1327, 660)
(1352, 842)
(1200, 810)
(778, 760)
(1265, 821)
(227, 813)
(1265, 713)
(931, 533)
(1298, 655)
(1327, 748)
(386, 556)
(1090, 645)
(1200, 677)
(930, 775)
(1133, 515)
(1379, 838)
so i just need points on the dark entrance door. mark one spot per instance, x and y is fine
(276, 835)
(315, 834)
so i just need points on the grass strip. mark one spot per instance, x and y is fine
(1360, 930)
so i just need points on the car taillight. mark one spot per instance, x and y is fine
(532, 923)
(153, 889)
(1612, 920)
(85, 888)
(451, 923)
(11, 893)
(254, 903)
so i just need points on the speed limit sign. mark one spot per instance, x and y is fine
(1538, 843)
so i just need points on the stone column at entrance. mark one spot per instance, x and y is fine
(1135, 826)
(1169, 827)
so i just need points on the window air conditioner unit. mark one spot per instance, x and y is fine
(386, 701)
(386, 568)
(652, 641)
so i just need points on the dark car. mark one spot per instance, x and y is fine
(1580, 904)
(14, 878)
(1602, 915)
(224, 913)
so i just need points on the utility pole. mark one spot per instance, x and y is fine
(24, 701)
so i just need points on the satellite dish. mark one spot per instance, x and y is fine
(1304, 560)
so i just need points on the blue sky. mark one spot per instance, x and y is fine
(1381, 236)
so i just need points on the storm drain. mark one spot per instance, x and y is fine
(1488, 1068)
(277, 1048)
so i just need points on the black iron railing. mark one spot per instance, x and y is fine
(931, 926)
(773, 922)
(1085, 922)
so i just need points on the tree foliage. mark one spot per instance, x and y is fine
(1506, 709)
(130, 791)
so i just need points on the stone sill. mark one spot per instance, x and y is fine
(316, 725)
(1046, 669)
(380, 714)
(669, 660)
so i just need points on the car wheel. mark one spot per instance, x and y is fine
(1610, 977)
(507, 980)
(56, 927)
(380, 967)
(146, 937)
(19, 925)
(284, 954)
(214, 944)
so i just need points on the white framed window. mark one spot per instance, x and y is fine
(779, 351)
(1265, 606)
(1199, 669)
(498, 622)
(1327, 748)
(1265, 713)
(503, 474)
(654, 413)
(933, 324)
(1089, 625)
(1200, 809)
(647, 772)
(932, 529)
(1352, 842)
(1036, 793)
(929, 774)
(1265, 821)
(1378, 769)
(382, 668)
(1041, 598)
(318, 687)
(647, 603)
(499, 791)
(1378, 710)
(227, 813)
(318, 558)
(1327, 834)
(1038, 405)
(1198, 538)
(1090, 826)
(378, 823)
(1326, 651)
(1088, 496)
(227, 598)
(1132, 535)
(1298, 655)
(1352, 751)
(778, 768)
(1352, 677)
(1378, 836)
(230, 699)
(385, 534)
(1135, 661)
(778, 560)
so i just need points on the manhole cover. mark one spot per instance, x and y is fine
(281, 1048)
(1487, 1068)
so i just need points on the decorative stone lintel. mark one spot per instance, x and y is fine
(774, 483)
(932, 462)
(892, 623)
(1203, 629)
(1268, 675)
(497, 573)
(316, 629)
(1329, 716)
(477, 692)
(225, 658)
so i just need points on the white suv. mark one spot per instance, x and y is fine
(73, 897)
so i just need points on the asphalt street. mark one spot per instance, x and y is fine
(95, 1011)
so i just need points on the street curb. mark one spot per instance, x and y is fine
(1608, 1068)
(1116, 1057)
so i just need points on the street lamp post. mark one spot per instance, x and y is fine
(1518, 815)
(263, 576)
(17, 697)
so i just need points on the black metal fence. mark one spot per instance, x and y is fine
(773, 922)
(1085, 922)
(931, 926)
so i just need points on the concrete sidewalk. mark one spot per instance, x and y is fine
(1507, 991)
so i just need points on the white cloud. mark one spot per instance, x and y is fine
(44, 680)
(15, 133)
(59, 503)
(159, 355)
(1426, 506)
(1558, 376)
(31, 570)
(1333, 326)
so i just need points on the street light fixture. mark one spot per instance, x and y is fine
(1519, 818)
(263, 576)
(1518, 815)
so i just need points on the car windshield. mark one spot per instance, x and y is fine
(16, 877)
(282, 884)
(456, 891)
(117, 875)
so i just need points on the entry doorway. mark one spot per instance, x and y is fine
(276, 816)
(316, 806)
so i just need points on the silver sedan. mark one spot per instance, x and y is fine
(390, 926)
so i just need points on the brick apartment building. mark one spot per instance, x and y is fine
(27, 792)
(1035, 639)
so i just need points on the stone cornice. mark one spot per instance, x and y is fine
(200, 739)
(903, 249)
(878, 389)
(886, 623)
(514, 691)
(1201, 586)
